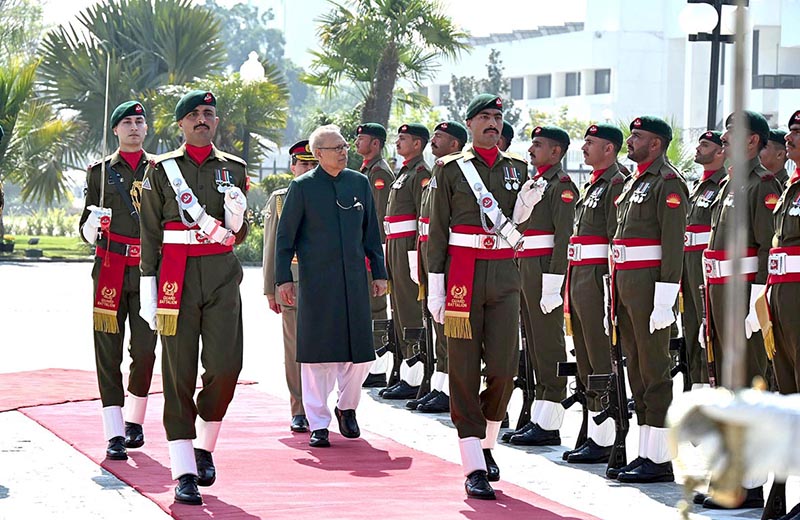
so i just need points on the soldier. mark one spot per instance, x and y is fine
(113, 224)
(193, 206)
(708, 154)
(478, 303)
(302, 161)
(400, 225)
(542, 264)
(448, 137)
(506, 136)
(595, 225)
(369, 144)
(647, 259)
(773, 156)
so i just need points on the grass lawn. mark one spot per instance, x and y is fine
(52, 247)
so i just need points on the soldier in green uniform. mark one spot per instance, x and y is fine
(647, 260)
(302, 161)
(710, 156)
(773, 156)
(506, 136)
(369, 145)
(543, 264)
(471, 243)
(193, 205)
(595, 225)
(112, 223)
(400, 226)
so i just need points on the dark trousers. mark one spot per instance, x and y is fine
(406, 309)
(786, 329)
(440, 350)
(693, 315)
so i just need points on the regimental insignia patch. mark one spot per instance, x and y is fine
(432, 184)
(146, 184)
(424, 182)
(673, 200)
(771, 200)
(567, 196)
(379, 184)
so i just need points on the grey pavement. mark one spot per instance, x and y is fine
(45, 316)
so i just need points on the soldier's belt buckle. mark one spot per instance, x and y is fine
(712, 267)
(618, 253)
(132, 250)
(688, 239)
(486, 242)
(574, 252)
(777, 263)
(201, 237)
(387, 227)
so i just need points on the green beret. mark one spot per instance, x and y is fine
(654, 125)
(482, 102)
(193, 100)
(779, 136)
(302, 151)
(373, 129)
(453, 128)
(713, 136)
(794, 119)
(605, 131)
(508, 131)
(552, 132)
(415, 129)
(755, 122)
(128, 108)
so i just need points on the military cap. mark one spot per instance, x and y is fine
(794, 119)
(415, 129)
(713, 136)
(779, 136)
(302, 151)
(128, 108)
(192, 100)
(755, 122)
(483, 101)
(373, 129)
(653, 124)
(605, 131)
(453, 128)
(508, 131)
(552, 132)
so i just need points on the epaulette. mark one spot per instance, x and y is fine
(564, 177)
(422, 168)
(669, 175)
(98, 162)
(441, 161)
(173, 154)
(617, 179)
(232, 157)
(280, 191)
(512, 155)
(767, 176)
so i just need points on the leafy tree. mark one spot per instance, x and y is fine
(576, 128)
(678, 153)
(244, 29)
(21, 25)
(347, 120)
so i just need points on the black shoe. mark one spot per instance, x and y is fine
(134, 435)
(477, 486)
(319, 439)
(699, 498)
(590, 453)
(753, 498)
(794, 514)
(388, 389)
(567, 453)
(613, 473)
(348, 426)
(414, 403)
(648, 472)
(401, 391)
(492, 469)
(299, 424)
(206, 472)
(536, 436)
(504, 423)
(186, 491)
(439, 404)
(507, 435)
(374, 381)
(116, 449)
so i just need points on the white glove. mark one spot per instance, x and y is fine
(235, 206)
(147, 300)
(551, 292)
(413, 266)
(606, 318)
(436, 296)
(751, 323)
(663, 301)
(701, 335)
(529, 196)
(92, 225)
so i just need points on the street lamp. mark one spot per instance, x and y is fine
(250, 72)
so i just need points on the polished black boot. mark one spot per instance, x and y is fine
(753, 497)
(388, 389)
(590, 453)
(439, 404)
(186, 491)
(414, 403)
(648, 472)
(299, 424)
(319, 439)
(206, 472)
(507, 435)
(613, 473)
(116, 449)
(134, 435)
(536, 436)
(567, 453)
(492, 469)
(477, 486)
(374, 381)
(401, 390)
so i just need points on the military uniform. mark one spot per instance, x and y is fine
(782, 176)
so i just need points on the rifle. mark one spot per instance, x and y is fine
(570, 368)
(422, 337)
(680, 358)
(384, 329)
(612, 386)
(711, 363)
(525, 380)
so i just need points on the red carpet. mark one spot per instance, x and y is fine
(264, 471)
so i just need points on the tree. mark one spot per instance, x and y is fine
(244, 29)
(376, 42)
(576, 128)
(678, 153)
(21, 25)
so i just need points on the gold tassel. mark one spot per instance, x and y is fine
(762, 312)
(105, 322)
(567, 324)
(769, 343)
(167, 323)
(421, 293)
(388, 287)
(680, 302)
(457, 327)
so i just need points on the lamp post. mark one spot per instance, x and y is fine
(250, 72)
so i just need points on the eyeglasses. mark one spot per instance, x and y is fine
(338, 149)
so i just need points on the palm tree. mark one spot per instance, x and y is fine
(376, 42)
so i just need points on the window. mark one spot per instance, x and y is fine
(602, 81)
(543, 86)
(444, 93)
(517, 85)
(573, 84)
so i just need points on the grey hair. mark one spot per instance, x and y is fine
(317, 135)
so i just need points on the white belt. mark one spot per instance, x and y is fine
(423, 228)
(393, 228)
(783, 263)
(723, 268)
(537, 242)
(477, 241)
(190, 236)
(579, 252)
(621, 253)
(691, 238)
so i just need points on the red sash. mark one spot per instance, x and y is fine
(110, 280)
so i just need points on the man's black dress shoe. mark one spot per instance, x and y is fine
(186, 491)
(439, 404)
(567, 453)
(401, 391)
(374, 381)
(613, 473)
(319, 439)
(348, 426)
(536, 436)
(299, 424)
(134, 435)
(699, 498)
(507, 435)
(477, 486)
(388, 389)
(590, 453)
(492, 469)
(648, 472)
(794, 514)
(116, 449)
(206, 472)
(753, 497)
(414, 403)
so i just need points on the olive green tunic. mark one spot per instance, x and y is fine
(441, 340)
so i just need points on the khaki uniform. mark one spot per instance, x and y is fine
(595, 216)
(698, 218)
(210, 306)
(554, 214)
(782, 177)
(652, 206)
(494, 300)
(108, 346)
(288, 312)
(441, 340)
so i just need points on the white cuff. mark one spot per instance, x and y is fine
(471, 455)
(135, 408)
(492, 430)
(207, 434)
(112, 422)
(181, 458)
(551, 415)
(665, 294)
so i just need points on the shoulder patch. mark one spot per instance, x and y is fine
(432, 184)
(673, 200)
(379, 184)
(232, 157)
(567, 196)
(771, 200)
(425, 180)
